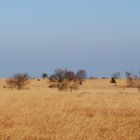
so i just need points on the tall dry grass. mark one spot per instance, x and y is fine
(97, 111)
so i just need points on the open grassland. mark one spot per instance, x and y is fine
(97, 111)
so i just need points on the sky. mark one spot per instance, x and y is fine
(100, 36)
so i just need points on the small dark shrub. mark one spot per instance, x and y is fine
(38, 79)
(113, 80)
(115, 76)
(44, 75)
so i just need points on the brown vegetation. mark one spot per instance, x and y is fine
(66, 79)
(133, 80)
(115, 76)
(19, 81)
(98, 110)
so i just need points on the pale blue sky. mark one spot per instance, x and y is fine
(101, 36)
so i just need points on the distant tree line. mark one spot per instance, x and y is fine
(63, 79)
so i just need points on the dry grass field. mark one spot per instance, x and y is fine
(97, 111)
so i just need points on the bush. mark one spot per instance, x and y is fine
(81, 75)
(44, 75)
(115, 76)
(64, 80)
(58, 79)
(133, 80)
(11, 83)
(18, 81)
(113, 81)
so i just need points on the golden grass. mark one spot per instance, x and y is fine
(97, 111)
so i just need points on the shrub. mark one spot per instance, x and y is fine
(44, 75)
(18, 81)
(58, 79)
(81, 75)
(11, 83)
(133, 80)
(63, 80)
(113, 81)
(115, 76)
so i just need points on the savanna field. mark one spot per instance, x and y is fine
(98, 110)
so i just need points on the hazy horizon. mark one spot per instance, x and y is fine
(39, 36)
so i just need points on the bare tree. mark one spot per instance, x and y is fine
(70, 76)
(72, 80)
(63, 80)
(133, 80)
(18, 81)
(58, 79)
(81, 75)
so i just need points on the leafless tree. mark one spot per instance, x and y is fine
(81, 75)
(58, 79)
(63, 80)
(133, 80)
(18, 81)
